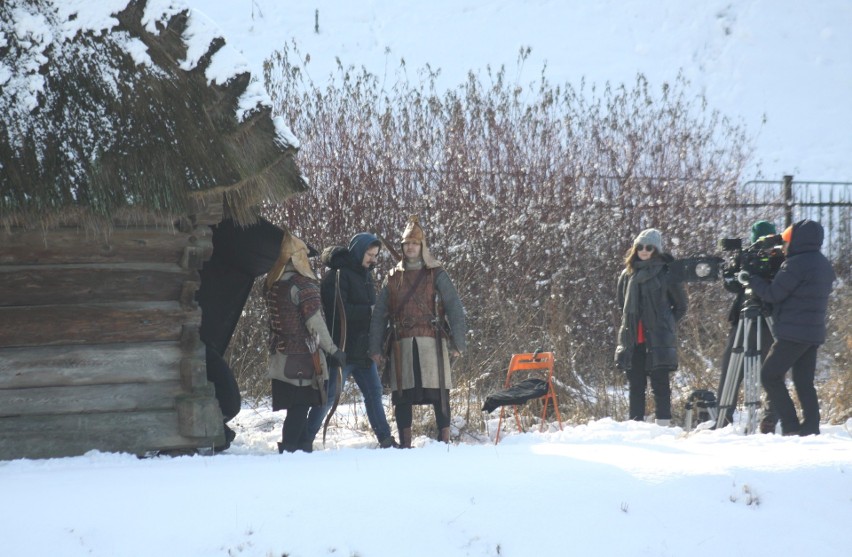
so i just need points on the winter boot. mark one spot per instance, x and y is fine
(767, 425)
(388, 442)
(663, 422)
(405, 438)
(444, 435)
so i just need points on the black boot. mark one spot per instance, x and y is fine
(405, 438)
(388, 442)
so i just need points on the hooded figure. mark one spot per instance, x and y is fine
(298, 338)
(348, 297)
(420, 314)
(799, 294)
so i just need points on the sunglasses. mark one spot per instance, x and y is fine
(648, 247)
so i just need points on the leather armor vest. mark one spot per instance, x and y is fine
(415, 319)
(287, 330)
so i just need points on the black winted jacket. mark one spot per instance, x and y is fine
(662, 303)
(800, 289)
(358, 293)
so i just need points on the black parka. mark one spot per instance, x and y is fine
(663, 303)
(800, 289)
(358, 292)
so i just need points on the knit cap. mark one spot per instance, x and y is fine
(760, 229)
(650, 237)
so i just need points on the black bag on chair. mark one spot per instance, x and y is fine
(519, 393)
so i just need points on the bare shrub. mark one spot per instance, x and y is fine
(530, 194)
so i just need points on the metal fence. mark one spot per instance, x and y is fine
(789, 200)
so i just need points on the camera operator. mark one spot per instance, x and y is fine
(799, 297)
(759, 229)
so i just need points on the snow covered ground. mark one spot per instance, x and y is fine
(603, 488)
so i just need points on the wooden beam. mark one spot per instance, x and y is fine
(73, 284)
(70, 435)
(122, 245)
(89, 398)
(56, 366)
(94, 323)
(199, 414)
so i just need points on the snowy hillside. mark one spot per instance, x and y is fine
(784, 68)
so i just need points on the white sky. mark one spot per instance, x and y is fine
(786, 60)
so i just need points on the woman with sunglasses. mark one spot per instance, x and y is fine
(652, 303)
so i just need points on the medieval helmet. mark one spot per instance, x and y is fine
(295, 252)
(413, 233)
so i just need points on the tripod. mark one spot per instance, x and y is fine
(744, 365)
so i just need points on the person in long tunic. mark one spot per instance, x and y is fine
(419, 311)
(652, 304)
(299, 340)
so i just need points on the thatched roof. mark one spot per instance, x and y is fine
(135, 113)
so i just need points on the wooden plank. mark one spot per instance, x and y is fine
(89, 398)
(94, 323)
(54, 366)
(122, 245)
(199, 414)
(73, 284)
(71, 435)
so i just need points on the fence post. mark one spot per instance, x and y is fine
(788, 201)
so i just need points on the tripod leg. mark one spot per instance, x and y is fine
(751, 379)
(732, 378)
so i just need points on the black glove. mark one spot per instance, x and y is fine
(743, 277)
(338, 358)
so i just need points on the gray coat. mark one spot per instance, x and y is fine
(662, 303)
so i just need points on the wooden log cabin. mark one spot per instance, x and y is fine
(116, 304)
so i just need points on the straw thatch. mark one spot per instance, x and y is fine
(96, 127)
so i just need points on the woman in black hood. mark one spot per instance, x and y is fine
(799, 296)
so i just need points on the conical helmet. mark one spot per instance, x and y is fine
(413, 233)
(293, 251)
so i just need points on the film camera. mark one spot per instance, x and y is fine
(762, 258)
(700, 268)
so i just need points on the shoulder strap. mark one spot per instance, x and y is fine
(417, 282)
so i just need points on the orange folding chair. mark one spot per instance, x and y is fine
(535, 361)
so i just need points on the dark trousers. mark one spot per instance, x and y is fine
(783, 355)
(765, 343)
(403, 413)
(637, 379)
(294, 426)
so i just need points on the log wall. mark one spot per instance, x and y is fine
(99, 345)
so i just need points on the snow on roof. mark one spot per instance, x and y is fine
(80, 79)
(33, 30)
